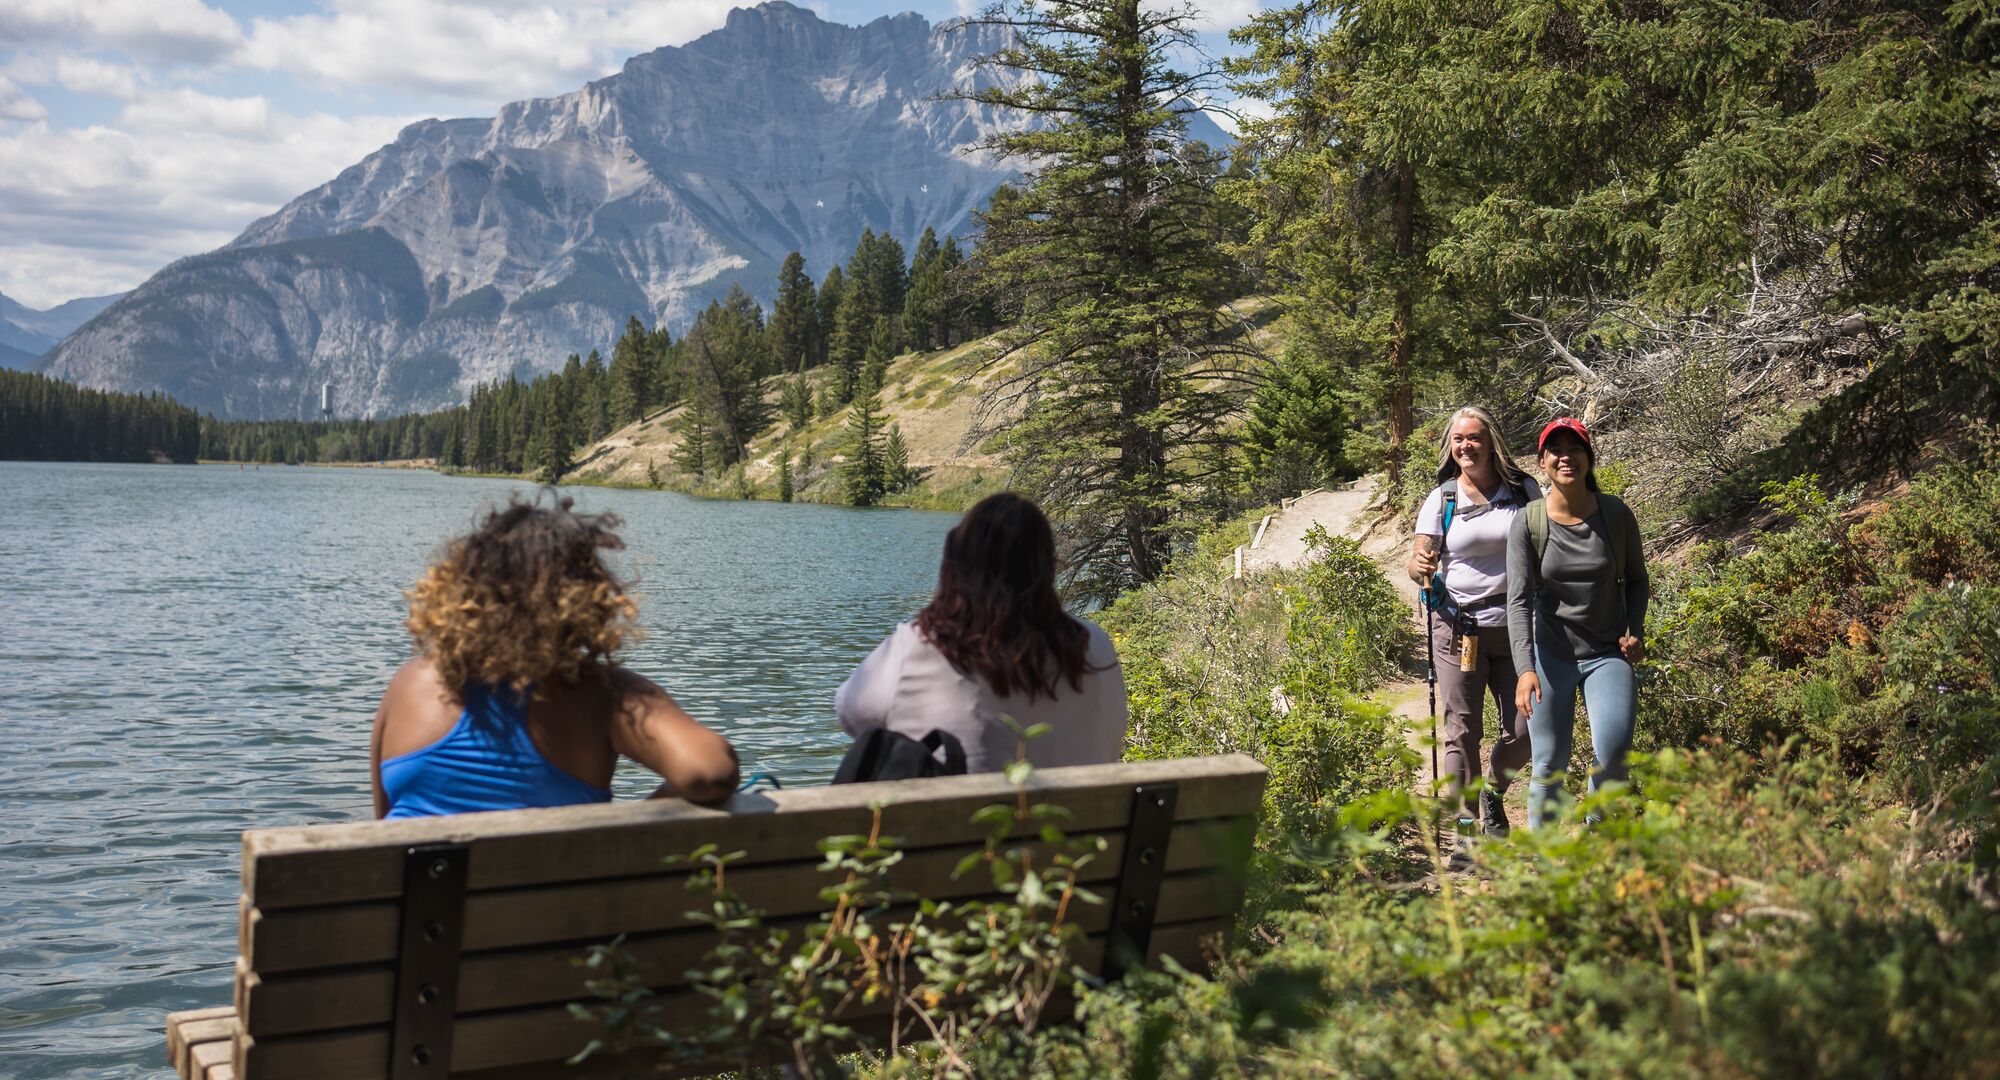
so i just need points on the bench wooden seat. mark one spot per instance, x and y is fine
(447, 947)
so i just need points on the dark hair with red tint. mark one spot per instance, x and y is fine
(996, 613)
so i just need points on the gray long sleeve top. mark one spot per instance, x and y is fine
(1574, 594)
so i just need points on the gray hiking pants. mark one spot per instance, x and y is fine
(1461, 698)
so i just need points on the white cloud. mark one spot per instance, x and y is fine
(489, 52)
(73, 71)
(98, 209)
(177, 30)
(1218, 15)
(87, 75)
(183, 110)
(15, 104)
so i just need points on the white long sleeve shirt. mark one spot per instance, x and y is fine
(907, 686)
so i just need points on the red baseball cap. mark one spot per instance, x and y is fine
(1565, 423)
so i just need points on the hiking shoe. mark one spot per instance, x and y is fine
(1493, 814)
(1464, 841)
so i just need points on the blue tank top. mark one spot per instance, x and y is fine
(487, 761)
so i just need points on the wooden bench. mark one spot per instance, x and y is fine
(446, 947)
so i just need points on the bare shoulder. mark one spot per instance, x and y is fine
(626, 683)
(416, 685)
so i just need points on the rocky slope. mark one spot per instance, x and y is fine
(470, 248)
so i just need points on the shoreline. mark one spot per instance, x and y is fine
(947, 503)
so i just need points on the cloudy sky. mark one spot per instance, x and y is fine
(135, 132)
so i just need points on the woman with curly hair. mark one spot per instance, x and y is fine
(994, 641)
(512, 700)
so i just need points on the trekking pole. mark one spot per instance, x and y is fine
(1431, 679)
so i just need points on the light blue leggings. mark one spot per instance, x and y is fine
(1609, 695)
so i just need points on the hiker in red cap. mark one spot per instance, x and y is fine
(1576, 609)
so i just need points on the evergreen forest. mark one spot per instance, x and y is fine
(845, 329)
(44, 419)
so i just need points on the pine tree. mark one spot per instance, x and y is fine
(896, 473)
(1294, 435)
(923, 302)
(832, 290)
(864, 472)
(785, 477)
(596, 403)
(881, 351)
(630, 376)
(697, 432)
(663, 361)
(849, 352)
(553, 436)
(794, 319)
(1119, 357)
(795, 400)
(453, 454)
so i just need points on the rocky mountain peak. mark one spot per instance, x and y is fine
(469, 249)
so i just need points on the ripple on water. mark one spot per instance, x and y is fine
(190, 652)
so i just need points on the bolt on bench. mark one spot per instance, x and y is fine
(428, 948)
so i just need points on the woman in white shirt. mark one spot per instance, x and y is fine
(995, 641)
(1483, 489)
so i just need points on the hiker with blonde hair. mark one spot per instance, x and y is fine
(1459, 556)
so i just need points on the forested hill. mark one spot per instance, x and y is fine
(44, 419)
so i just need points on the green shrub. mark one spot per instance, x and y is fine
(1875, 639)
(1274, 670)
(1747, 918)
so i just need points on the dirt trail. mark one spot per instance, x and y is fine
(1361, 513)
(1342, 512)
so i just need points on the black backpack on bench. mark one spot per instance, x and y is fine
(882, 754)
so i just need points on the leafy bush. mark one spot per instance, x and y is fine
(970, 978)
(1273, 670)
(1876, 639)
(1748, 918)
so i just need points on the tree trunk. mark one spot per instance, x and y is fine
(1402, 344)
(1142, 449)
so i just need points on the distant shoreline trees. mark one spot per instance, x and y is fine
(45, 419)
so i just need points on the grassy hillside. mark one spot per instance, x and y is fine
(927, 396)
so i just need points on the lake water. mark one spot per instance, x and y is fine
(188, 652)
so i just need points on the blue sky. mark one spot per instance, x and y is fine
(136, 132)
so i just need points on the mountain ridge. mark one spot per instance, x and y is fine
(478, 248)
(26, 333)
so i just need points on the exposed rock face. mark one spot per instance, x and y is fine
(467, 249)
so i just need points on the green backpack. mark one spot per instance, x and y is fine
(1620, 527)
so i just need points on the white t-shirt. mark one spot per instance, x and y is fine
(1475, 554)
(907, 686)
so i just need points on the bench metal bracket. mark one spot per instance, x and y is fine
(1139, 876)
(427, 964)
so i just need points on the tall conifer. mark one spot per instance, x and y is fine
(1119, 362)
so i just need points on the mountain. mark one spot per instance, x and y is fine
(13, 359)
(469, 249)
(25, 334)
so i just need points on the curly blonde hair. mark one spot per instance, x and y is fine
(524, 598)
